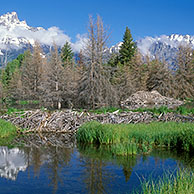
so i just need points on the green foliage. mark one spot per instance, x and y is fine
(10, 68)
(67, 53)
(7, 132)
(114, 60)
(182, 182)
(135, 138)
(13, 111)
(127, 49)
(27, 102)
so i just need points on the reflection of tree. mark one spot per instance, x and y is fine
(55, 159)
(36, 161)
(95, 176)
(128, 163)
(59, 157)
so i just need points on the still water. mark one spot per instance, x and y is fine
(84, 169)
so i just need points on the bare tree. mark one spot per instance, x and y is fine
(160, 78)
(32, 70)
(53, 87)
(184, 76)
(95, 89)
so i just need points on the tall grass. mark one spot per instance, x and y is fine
(7, 132)
(135, 138)
(180, 183)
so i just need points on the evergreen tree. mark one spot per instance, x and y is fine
(127, 49)
(66, 54)
(10, 68)
(1, 92)
(15, 89)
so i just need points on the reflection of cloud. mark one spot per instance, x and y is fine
(11, 162)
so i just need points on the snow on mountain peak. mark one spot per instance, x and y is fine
(16, 34)
(11, 19)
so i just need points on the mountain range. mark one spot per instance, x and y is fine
(16, 36)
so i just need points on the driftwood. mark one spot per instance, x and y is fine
(145, 99)
(59, 127)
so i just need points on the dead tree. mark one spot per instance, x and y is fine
(95, 89)
(32, 70)
(53, 84)
(184, 76)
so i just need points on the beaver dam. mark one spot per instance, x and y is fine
(85, 152)
(59, 127)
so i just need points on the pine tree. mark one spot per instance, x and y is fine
(66, 54)
(1, 91)
(127, 49)
(15, 88)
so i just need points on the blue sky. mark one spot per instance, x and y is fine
(143, 17)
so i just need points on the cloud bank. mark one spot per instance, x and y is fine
(14, 36)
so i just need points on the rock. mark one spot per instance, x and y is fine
(145, 99)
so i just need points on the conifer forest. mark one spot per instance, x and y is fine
(93, 78)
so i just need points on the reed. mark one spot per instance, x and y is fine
(182, 182)
(136, 138)
(7, 132)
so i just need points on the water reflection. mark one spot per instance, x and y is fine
(11, 162)
(85, 169)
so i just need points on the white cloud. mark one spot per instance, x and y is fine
(16, 34)
(80, 42)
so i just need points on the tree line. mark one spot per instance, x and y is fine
(57, 81)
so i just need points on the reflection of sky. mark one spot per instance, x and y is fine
(11, 162)
(74, 171)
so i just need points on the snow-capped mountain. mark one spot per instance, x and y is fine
(16, 36)
(164, 47)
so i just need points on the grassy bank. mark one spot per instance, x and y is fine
(7, 132)
(134, 138)
(180, 183)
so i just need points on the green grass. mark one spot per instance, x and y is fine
(135, 138)
(183, 110)
(180, 183)
(7, 132)
(26, 102)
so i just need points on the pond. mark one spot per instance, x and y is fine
(82, 169)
